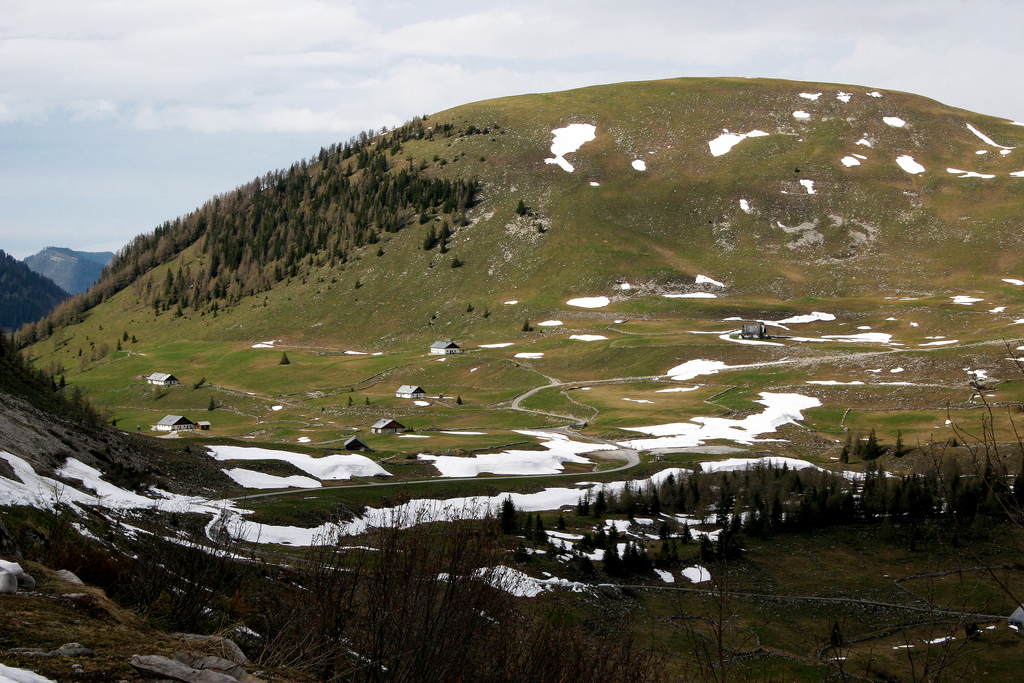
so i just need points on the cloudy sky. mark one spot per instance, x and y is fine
(116, 115)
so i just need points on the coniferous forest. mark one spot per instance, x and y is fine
(25, 296)
(278, 225)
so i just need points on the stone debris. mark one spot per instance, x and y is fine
(65, 650)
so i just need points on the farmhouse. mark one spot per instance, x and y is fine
(755, 330)
(354, 443)
(1016, 620)
(444, 348)
(387, 426)
(174, 423)
(410, 391)
(162, 378)
(202, 425)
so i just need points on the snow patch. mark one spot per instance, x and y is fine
(695, 368)
(800, 114)
(986, 139)
(696, 574)
(559, 449)
(339, 467)
(692, 295)
(843, 97)
(780, 409)
(530, 354)
(550, 323)
(701, 279)
(587, 337)
(850, 161)
(496, 346)
(808, 318)
(589, 302)
(907, 163)
(808, 185)
(726, 141)
(810, 96)
(964, 300)
(744, 206)
(567, 140)
(1013, 281)
(639, 165)
(675, 390)
(894, 121)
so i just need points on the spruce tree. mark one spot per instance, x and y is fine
(284, 359)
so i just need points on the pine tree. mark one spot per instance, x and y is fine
(213, 404)
(526, 326)
(284, 359)
(458, 400)
(508, 516)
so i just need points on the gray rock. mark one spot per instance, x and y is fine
(229, 649)
(8, 583)
(69, 577)
(211, 663)
(156, 666)
(73, 650)
(26, 582)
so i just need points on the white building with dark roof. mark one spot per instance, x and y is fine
(174, 423)
(410, 391)
(387, 426)
(444, 348)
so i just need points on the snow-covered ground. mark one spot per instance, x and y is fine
(780, 409)
(338, 467)
(589, 302)
(587, 337)
(907, 163)
(558, 449)
(567, 140)
(726, 141)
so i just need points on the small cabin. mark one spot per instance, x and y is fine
(410, 391)
(444, 348)
(174, 423)
(387, 426)
(162, 379)
(755, 330)
(203, 425)
(1016, 620)
(354, 443)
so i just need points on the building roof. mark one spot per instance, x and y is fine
(385, 422)
(172, 420)
(355, 439)
(444, 345)
(203, 422)
(1018, 615)
(161, 377)
(410, 389)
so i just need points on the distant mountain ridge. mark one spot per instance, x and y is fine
(25, 296)
(73, 271)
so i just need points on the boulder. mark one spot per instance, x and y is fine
(226, 647)
(69, 577)
(8, 583)
(12, 567)
(155, 666)
(218, 664)
(25, 581)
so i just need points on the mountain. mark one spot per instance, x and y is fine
(73, 271)
(778, 189)
(25, 296)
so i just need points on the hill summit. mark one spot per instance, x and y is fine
(773, 189)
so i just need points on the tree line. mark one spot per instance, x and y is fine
(280, 225)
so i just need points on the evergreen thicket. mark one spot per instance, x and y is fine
(279, 226)
(25, 295)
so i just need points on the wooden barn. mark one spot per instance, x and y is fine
(387, 426)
